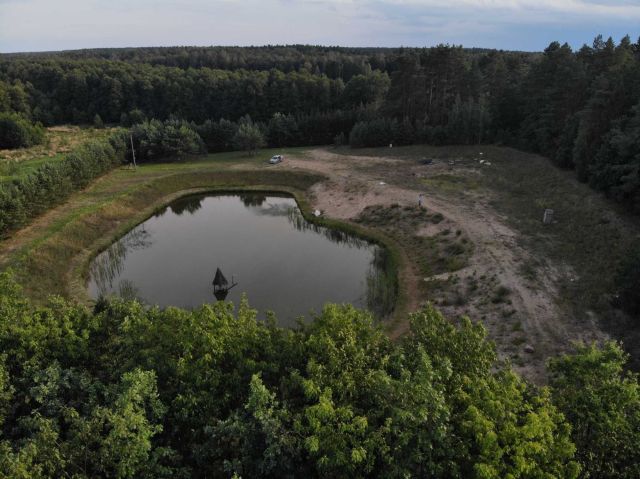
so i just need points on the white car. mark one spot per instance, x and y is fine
(275, 159)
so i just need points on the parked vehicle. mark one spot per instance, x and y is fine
(275, 159)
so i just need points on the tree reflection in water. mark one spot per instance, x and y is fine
(382, 285)
(128, 291)
(190, 204)
(299, 223)
(109, 264)
(252, 199)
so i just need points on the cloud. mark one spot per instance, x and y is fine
(522, 24)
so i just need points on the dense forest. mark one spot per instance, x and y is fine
(126, 391)
(579, 108)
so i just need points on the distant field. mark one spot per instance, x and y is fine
(59, 141)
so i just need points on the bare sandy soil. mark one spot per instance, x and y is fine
(531, 326)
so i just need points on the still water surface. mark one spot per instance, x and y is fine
(282, 262)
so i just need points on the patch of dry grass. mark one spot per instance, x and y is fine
(58, 141)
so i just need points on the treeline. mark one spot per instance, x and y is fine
(579, 108)
(582, 110)
(156, 140)
(127, 391)
(334, 62)
(25, 197)
(59, 91)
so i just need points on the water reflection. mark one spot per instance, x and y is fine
(336, 236)
(128, 291)
(109, 265)
(252, 199)
(283, 262)
(382, 284)
(190, 204)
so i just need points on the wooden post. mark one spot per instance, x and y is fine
(133, 152)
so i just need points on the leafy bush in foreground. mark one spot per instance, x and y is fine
(602, 402)
(133, 392)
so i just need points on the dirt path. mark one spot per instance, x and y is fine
(532, 328)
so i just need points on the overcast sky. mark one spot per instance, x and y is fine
(39, 25)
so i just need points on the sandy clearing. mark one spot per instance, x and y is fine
(356, 182)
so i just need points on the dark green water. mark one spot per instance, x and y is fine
(282, 262)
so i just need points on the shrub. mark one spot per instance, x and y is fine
(18, 132)
(30, 195)
(248, 137)
(158, 140)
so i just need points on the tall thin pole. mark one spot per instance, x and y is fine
(133, 152)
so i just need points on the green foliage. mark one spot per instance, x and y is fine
(371, 133)
(248, 137)
(468, 120)
(26, 197)
(283, 131)
(616, 166)
(382, 132)
(366, 89)
(602, 403)
(128, 391)
(165, 140)
(63, 90)
(97, 121)
(218, 135)
(18, 132)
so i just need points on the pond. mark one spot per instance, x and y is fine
(263, 247)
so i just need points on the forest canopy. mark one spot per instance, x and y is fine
(127, 391)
